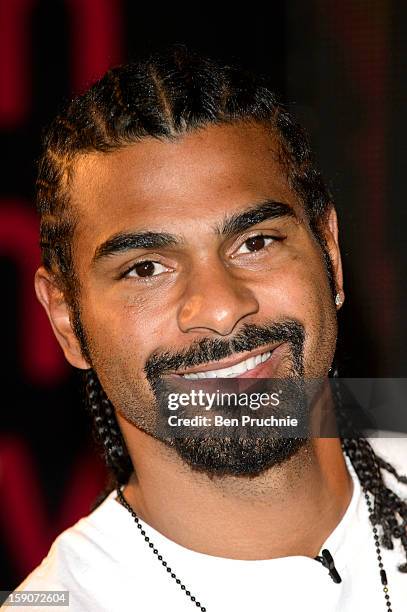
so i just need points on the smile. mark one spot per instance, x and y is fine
(246, 365)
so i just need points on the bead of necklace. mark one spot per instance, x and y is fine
(193, 599)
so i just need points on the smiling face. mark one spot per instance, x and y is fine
(193, 256)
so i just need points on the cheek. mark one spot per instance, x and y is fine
(302, 291)
(120, 340)
(300, 286)
(118, 334)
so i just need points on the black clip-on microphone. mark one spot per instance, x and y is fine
(328, 562)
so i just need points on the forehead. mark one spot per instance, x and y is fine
(155, 184)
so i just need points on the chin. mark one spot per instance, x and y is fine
(235, 457)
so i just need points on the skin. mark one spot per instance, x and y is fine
(205, 287)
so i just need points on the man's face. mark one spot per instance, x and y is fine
(181, 245)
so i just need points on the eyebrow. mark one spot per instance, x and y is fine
(230, 226)
(128, 241)
(241, 221)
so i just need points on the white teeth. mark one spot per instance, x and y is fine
(240, 368)
(235, 370)
(210, 374)
(251, 363)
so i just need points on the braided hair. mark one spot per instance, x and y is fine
(106, 430)
(164, 96)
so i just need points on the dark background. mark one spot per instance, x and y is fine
(342, 67)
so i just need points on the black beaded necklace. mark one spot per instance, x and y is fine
(155, 552)
(326, 559)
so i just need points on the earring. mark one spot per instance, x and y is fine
(338, 299)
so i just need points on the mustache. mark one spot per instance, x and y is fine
(249, 337)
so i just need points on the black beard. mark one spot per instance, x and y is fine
(231, 455)
(235, 456)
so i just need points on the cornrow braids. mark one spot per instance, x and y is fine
(388, 507)
(163, 96)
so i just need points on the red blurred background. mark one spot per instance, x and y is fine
(342, 67)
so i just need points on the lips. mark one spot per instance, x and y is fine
(254, 366)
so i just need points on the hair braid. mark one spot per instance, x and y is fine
(106, 429)
(388, 507)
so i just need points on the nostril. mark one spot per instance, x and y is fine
(218, 310)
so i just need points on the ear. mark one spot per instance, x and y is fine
(330, 231)
(57, 309)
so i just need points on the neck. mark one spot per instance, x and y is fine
(288, 510)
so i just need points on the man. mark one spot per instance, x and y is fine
(187, 235)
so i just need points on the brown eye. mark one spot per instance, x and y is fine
(256, 243)
(145, 269)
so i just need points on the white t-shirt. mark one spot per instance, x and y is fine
(106, 565)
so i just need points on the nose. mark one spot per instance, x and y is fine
(215, 301)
